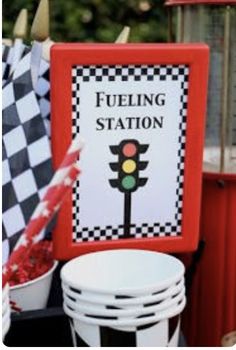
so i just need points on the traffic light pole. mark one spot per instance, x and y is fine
(127, 214)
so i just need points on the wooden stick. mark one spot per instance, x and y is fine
(39, 33)
(19, 33)
(123, 37)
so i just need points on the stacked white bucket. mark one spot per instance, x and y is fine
(124, 297)
(6, 311)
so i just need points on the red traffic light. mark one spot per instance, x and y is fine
(129, 149)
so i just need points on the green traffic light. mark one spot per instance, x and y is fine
(128, 182)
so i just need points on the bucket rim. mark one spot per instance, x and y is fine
(37, 279)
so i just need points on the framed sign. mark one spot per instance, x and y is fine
(140, 109)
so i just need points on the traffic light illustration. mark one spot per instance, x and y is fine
(128, 167)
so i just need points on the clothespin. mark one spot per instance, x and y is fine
(123, 37)
(19, 33)
(39, 33)
(6, 41)
(46, 49)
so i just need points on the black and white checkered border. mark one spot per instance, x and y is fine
(127, 72)
(132, 73)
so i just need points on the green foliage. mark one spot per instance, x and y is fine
(95, 20)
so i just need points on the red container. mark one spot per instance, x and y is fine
(211, 310)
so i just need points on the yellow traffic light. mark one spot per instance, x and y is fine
(129, 166)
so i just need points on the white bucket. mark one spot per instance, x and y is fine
(6, 321)
(86, 297)
(6, 327)
(122, 272)
(5, 306)
(33, 295)
(124, 295)
(143, 332)
(134, 322)
(5, 292)
(5, 299)
(169, 302)
(6, 311)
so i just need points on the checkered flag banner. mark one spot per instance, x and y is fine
(56, 191)
(27, 166)
(7, 59)
(42, 89)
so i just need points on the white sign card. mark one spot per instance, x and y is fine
(133, 120)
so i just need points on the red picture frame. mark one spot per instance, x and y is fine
(196, 56)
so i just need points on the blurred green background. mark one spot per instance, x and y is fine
(95, 20)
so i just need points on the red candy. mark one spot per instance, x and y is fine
(38, 261)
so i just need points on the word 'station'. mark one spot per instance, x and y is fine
(104, 100)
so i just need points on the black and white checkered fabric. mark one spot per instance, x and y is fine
(161, 334)
(42, 91)
(43, 84)
(6, 62)
(143, 73)
(27, 166)
(7, 57)
(7, 52)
